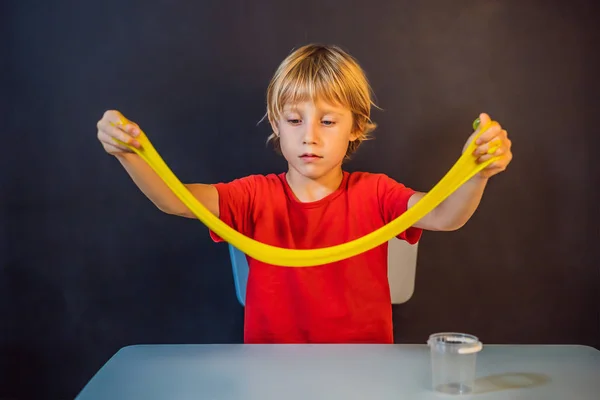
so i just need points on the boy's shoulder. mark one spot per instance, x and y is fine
(369, 178)
(377, 183)
(255, 183)
(366, 176)
(271, 177)
(264, 179)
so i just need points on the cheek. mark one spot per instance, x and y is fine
(285, 143)
(341, 142)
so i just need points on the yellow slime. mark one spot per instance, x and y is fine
(463, 170)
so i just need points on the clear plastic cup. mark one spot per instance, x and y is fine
(453, 360)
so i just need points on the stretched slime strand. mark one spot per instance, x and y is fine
(464, 169)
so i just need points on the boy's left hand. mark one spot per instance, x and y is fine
(497, 137)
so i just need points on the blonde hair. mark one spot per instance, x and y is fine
(322, 72)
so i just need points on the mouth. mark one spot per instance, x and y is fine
(310, 156)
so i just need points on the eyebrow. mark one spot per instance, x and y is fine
(334, 112)
(325, 111)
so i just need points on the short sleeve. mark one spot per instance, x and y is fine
(236, 200)
(393, 201)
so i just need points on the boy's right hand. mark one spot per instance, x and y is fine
(114, 125)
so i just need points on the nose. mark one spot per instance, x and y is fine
(311, 133)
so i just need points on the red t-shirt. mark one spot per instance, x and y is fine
(343, 302)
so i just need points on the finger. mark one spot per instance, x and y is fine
(128, 126)
(491, 147)
(503, 140)
(108, 134)
(111, 145)
(484, 119)
(497, 152)
(494, 130)
(507, 142)
(132, 128)
(498, 165)
(485, 158)
(503, 144)
(114, 117)
(117, 133)
(116, 148)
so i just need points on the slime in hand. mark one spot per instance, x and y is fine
(464, 169)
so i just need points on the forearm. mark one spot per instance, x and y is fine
(456, 210)
(158, 192)
(459, 207)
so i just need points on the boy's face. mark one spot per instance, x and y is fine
(314, 137)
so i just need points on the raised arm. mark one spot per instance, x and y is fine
(460, 206)
(142, 175)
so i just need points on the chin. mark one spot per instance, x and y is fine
(313, 171)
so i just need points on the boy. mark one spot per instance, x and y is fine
(318, 105)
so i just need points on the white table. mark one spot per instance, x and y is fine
(332, 372)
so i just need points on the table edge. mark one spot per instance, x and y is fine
(407, 345)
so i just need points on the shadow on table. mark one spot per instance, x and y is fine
(509, 380)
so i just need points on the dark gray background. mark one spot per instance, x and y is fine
(88, 265)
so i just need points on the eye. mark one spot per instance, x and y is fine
(328, 123)
(293, 121)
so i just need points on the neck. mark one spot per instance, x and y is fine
(308, 189)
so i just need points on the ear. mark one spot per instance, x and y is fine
(354, 135)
